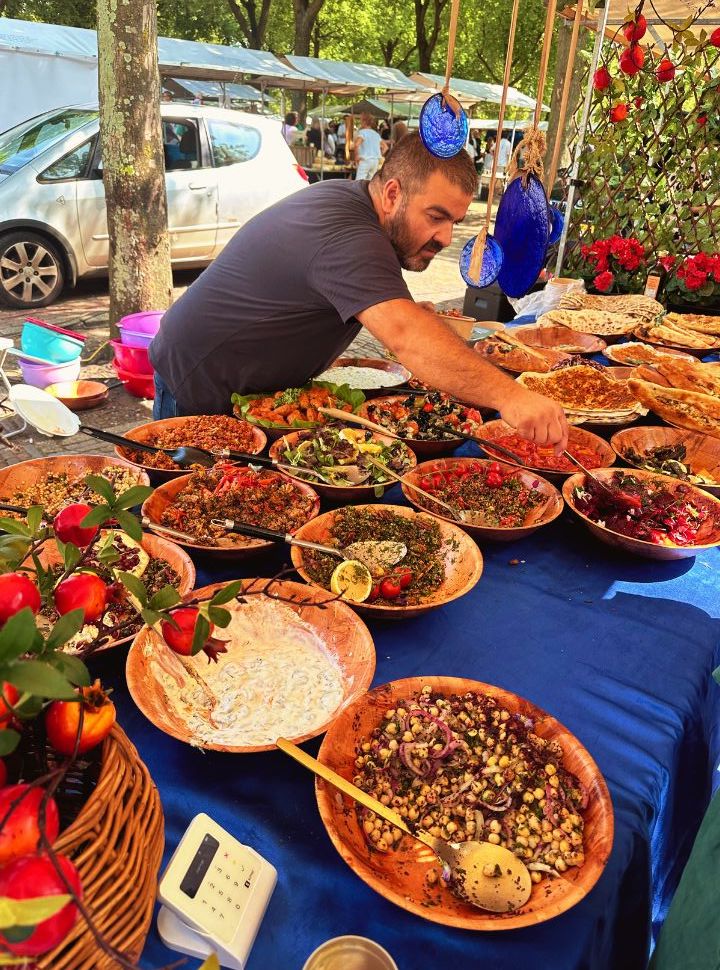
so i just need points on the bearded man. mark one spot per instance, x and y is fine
(293, 287)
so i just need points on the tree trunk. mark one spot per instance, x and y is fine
(306, 13)
(427, 34)
(133, 163)
(253, 20)
(564, 34)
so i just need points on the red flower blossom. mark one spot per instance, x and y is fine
(603, 282)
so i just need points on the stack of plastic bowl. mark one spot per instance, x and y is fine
(58, 349)
(132, 363)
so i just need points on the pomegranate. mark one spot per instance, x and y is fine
(84, 591)
(66, 525)
(180, 640)
(714, 38)
(20, 835)
(34, 877)
(665, 71)
(16, 592)
(9, 696)
(62, 720)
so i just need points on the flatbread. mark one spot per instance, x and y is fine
(590, 321)
(516, 358)
(688, 409)
(582, 389)
(643, 308)
(691, 376)
(674, 335)
(694, 321)
(635, 353)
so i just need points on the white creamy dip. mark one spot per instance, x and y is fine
(361, 377)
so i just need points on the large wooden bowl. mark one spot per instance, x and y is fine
(701, 451)
(234, 545)
(344, 634)
(393, 367)
(422, 448)
(400, 875)
(710, 537)
(463, 563)
(494, 430)
(17, 477)
(336, 493)
(156, 547)
(148, 433)
(560, 338)
(539, 516)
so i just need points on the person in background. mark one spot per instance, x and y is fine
(400, 129)
(289, 128)
(504, 152)
(330, 145)
(369, 148)
(489, 152)
(197, 100)
(314, 135)
(166, 97)
(340, 137)
(384, 131)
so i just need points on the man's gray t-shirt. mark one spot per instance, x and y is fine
(279, 303)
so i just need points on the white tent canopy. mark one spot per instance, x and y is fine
(215, 90)
(476, 91)
(339, 77)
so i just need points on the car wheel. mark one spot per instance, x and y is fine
(31, 270)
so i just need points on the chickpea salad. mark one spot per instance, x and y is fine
(463, 767)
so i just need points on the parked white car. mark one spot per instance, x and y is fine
(222, 167)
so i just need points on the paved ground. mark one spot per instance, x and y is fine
(86, 309)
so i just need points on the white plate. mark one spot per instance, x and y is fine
(43, 411)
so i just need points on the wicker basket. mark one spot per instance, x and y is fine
(116, 842)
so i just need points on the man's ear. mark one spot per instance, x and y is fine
(391, 196)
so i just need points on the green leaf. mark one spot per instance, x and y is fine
(102, 486)
(35, 517)
(165, 598)
(151, 617)
(133, 496)
(134, 585)
(18, 934)
(14, 527)
(41, 679)
(30, 912)
(130, 524)
(227, 593)
(28, 707)
(71, 667)
(18, 636)
(202, 632)
(71, 555)
(97, 516)
(9, 740)
(65, 628)
(219, 616)
(13, 549)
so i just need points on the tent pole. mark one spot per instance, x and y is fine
(322, 134)
(262, 97)
(392, 114)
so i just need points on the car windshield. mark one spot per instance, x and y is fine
(19, 145)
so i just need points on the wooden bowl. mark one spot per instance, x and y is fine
(400, 875)
(148, 433)
(234, 545)
(578, 436)
(79, 395)
(422, 448)
(463, 563)
(393, 367)
(336, 493)
(639, 547)
(344, 635)
(702, 451)
(559, 338)
(25, 473)
(541, 515)
(157, 547)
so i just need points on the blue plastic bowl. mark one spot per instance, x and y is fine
(49, 345)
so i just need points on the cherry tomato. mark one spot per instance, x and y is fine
(493, 480)
(374, 593)
(63, 718)
(390, 589)
(426, 483)
(66, 525)
(3, 773)
(84, 591)
(16, 592)
(428, 407)
(473, 415)
(495, 467)
(34, 877)
(9, 696)
(20, 834)
(180, 640)
(404, 578)
(437, 480)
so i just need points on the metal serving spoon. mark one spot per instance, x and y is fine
(382, 555)
(181, 456)
(486, 875)
(589, 474)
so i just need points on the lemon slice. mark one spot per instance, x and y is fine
(352, 580)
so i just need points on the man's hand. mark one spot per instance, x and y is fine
(537, 418)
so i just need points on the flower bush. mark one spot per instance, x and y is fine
(614, 265)
(696, 279)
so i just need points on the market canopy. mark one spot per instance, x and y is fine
(371, 106)
(476, 91)
(339, 77)
(191, 88)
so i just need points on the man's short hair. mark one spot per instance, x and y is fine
(412, 164)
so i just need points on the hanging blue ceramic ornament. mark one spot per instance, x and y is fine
(522, 229)
(557, 221)
(443, 126)
(491, 262)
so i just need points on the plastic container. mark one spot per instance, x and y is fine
(42, 375)
(132, 359)
(51, 343)
(128, 338)
(344, 952)
(139, 385)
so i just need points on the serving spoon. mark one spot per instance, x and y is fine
(486, 875)
(376, 555)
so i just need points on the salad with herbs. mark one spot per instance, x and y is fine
(669, 460)
(424, 417)
(644, 509)
(329, 449)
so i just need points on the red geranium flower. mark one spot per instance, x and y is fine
(603, 282)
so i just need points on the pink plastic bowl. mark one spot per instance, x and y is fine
(128, 338)
(42, 375)
(135, 360)
(139, 385)
(147, 322)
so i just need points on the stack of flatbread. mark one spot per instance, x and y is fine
(672, 334)
(643, 308)
(600, 322)
(686, 409)
(694, 321)
(691, 376)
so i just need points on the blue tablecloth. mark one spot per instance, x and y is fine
(620, 650)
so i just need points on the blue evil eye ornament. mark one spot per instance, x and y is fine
(522, 229)
(491, 262)
(444, 133)
(557, 221)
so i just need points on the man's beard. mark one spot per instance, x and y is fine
(408, 253)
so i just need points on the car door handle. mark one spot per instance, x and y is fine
(195, 187)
